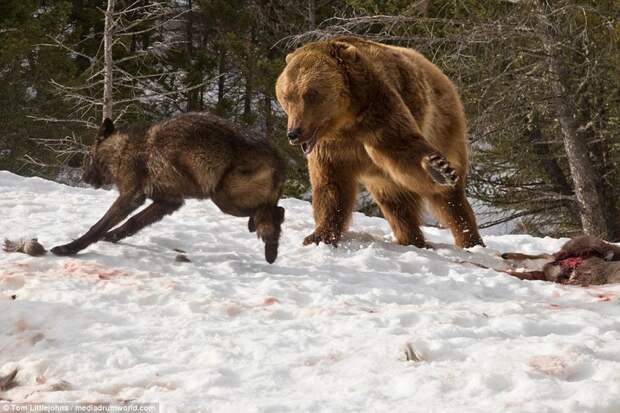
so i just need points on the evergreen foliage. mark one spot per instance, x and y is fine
(224, 56)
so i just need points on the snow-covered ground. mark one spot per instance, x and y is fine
(321, 330)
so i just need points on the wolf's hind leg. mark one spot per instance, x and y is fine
(151, 214)
(266, 222)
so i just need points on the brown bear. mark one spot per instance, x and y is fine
(383, 116)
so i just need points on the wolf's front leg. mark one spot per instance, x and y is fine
(333, 198)
(120, 209)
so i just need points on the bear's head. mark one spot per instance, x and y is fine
(314, 91)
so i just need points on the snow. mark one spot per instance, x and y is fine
(321, 330)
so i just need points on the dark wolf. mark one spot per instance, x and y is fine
(584, 260)
(194, 155)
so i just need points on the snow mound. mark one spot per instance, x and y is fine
(321, 330)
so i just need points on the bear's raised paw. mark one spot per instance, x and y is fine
(439, 170)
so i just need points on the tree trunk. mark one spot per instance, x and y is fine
(108, 33)
(249, 81)
(221, 81)
(312, 14)
(247, 96)
(549, 164)
(268, 117)
(582, 171)
(194, 94)
(189, 29)
(422, 7)
(592, 110)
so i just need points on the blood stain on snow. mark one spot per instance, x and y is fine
(604, 297)
(271, 301)
(12, 281)
(12, 273)
(83, 269)
(550, 365)
(601, 295)
(21, 325)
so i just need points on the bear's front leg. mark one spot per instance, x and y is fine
(333, 198)
(413, 163)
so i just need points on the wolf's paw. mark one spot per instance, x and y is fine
(64, 250)
(439, 170)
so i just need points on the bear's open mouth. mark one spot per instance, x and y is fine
(308, 145)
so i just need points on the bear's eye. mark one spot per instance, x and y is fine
(287, 98)
(311, 96)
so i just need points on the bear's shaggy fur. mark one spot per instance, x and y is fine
(385, 117)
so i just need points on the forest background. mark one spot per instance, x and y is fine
(539, 79)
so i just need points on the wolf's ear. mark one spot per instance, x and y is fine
(107, 129)
(344, 52)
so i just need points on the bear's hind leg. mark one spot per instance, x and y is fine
(453, 211)
(401, 209)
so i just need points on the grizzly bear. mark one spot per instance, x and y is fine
(386, 117)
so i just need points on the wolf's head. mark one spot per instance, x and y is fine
(96, 172)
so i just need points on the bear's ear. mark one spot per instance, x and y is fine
(344, 52)
(107, 129)
(288, 58)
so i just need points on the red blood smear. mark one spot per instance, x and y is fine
(571, 263)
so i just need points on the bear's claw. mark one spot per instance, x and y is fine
(440, 170)
(326, 237)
